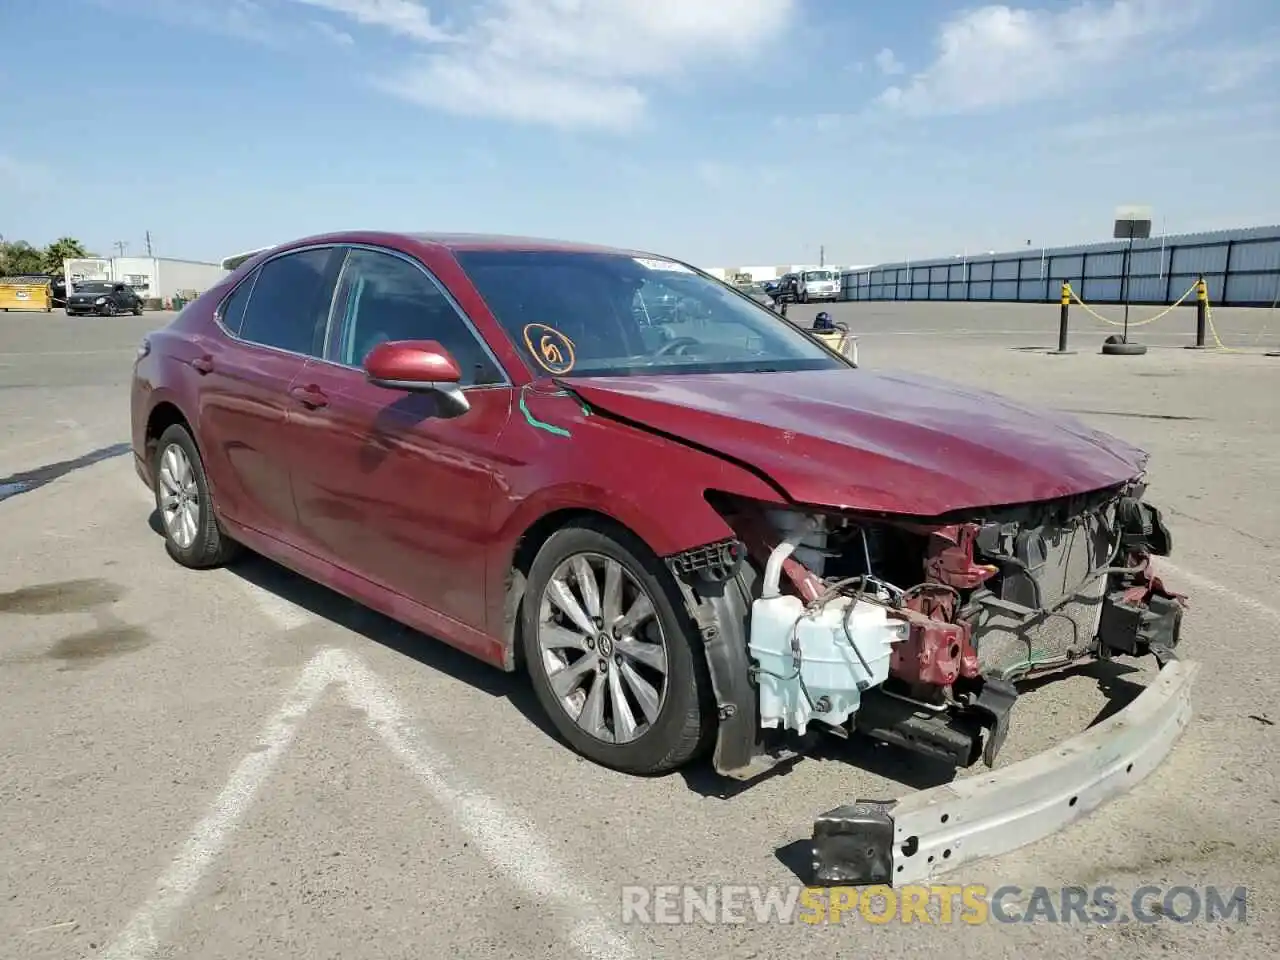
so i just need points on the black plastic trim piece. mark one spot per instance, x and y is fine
(720, 611)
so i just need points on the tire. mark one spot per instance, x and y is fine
(107, 310)
(680, 727)
(1120, 349)
(137, 309)
(207, 545)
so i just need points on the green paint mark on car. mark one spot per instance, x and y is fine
(538, 424)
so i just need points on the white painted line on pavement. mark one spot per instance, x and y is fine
(511, 845)
(141, 937)
(1234, 596)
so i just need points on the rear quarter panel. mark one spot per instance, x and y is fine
(164, 374)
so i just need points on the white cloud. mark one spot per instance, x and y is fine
(1235, 68)
(1217, 124)
(247, 20)
(999, 55)
(889, 63)
(407, 18)
(561, 63)
(332, 33)
(578, 63)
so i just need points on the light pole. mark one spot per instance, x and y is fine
(1131, 223)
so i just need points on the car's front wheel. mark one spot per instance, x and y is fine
(612, 661)
(192, 536)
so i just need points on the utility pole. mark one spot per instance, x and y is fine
(149, 243)
(120, 246)
(822, 256)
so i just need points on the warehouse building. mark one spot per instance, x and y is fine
(155, 278)
(1240, 267)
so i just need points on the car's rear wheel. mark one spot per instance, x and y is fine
(108, 309)
(613, 663)
(137, 308)
(192, 536)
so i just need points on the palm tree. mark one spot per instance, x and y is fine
(62, 249)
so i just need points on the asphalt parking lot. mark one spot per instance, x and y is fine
(236, 763)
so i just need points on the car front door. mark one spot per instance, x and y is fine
(393, 485)
(270, 324)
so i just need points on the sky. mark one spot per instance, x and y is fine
(721, 132)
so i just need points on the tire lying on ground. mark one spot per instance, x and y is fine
(1113, 346)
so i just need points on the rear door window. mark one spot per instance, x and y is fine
(288, 307)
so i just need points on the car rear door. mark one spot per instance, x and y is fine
(390, 484)
(271, 323)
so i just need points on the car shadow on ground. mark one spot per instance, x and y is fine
(1110, 676)
(882, 760)
(893, 764)
(329, 605)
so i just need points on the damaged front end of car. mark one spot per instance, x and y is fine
(914, 632)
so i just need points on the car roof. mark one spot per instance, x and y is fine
(498, 241)
(449, 241)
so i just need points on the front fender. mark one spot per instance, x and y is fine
(566, 458)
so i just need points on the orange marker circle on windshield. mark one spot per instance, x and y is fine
(552, 350)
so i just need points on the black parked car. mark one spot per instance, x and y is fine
(103, 298)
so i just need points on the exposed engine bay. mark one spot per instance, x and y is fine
(914, 633)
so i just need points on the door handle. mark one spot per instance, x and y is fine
(202, 365)
(311, 397)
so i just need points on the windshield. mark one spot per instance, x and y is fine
(818, 275)
(86, 286)
(591, 314)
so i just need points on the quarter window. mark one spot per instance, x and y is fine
(382, 297)
(231, 313)
(289, 305)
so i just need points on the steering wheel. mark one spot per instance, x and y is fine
(671, 345)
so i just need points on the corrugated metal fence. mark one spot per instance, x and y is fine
(1240, 267)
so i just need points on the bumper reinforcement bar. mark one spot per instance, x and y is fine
(934, 831)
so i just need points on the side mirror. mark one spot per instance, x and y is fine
(419, 366)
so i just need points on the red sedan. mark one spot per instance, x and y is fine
(688, 520)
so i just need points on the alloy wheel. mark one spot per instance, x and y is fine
(179, 496)
(603, 648)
